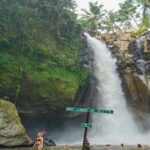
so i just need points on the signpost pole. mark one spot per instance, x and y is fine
(86, 125)
(86, 129)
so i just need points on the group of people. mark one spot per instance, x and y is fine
(39, 141)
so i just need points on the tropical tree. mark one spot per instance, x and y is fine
(111, 21)
(127, 14)
(38, 37)
(131, 14)
(144, 5)
(92, 18)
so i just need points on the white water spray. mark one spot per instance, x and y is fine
(107, 128)
(119, 127)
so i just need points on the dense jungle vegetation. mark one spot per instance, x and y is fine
(40, 43)
(132, 14)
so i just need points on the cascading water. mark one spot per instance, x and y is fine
(119, 127)
(116, 128)
(104, 87)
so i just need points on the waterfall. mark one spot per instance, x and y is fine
(139, 49)
(119, 127)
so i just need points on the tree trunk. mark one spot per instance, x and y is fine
(9, 15)
(58, 27)
(22, 45)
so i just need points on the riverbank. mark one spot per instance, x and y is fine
(94, 147)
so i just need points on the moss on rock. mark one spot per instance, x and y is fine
(12, 132)
(10, 114)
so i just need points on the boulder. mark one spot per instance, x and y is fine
(121, 45)
(139, 89)
(12, 132)
(49, 142)
(109, 38)
(126, 37)
(146, 43)
(124, 46)
(145, 38)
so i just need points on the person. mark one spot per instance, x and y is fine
(39, 141)
(122, 146)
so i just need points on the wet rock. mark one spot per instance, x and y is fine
(120, 40)
(143, 67)
(109, 38)
(139, 90)
(12, 132)
(126, 36)
(122, 45)
(133, 60)
(49, 142)
(146, 41)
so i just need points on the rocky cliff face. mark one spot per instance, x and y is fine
(133, 55)
(139, 91)
(12, 132)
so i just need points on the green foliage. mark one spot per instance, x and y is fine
(137, 11)
(4, 44)
(40, 43)
(91, 19)
(131, 14)
(95, 8)
(128, 13)
(110, 22)
(141, 30)
(83, 76)
(9, 113)
(144, 5)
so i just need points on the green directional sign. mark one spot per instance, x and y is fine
(91, 110)
(86, 125)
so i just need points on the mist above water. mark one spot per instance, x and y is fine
(117, 128)
(121, 126)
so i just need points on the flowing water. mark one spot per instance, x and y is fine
(117, 128)
(121, 126)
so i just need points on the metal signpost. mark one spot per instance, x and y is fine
(87, 125)
(91, 110)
